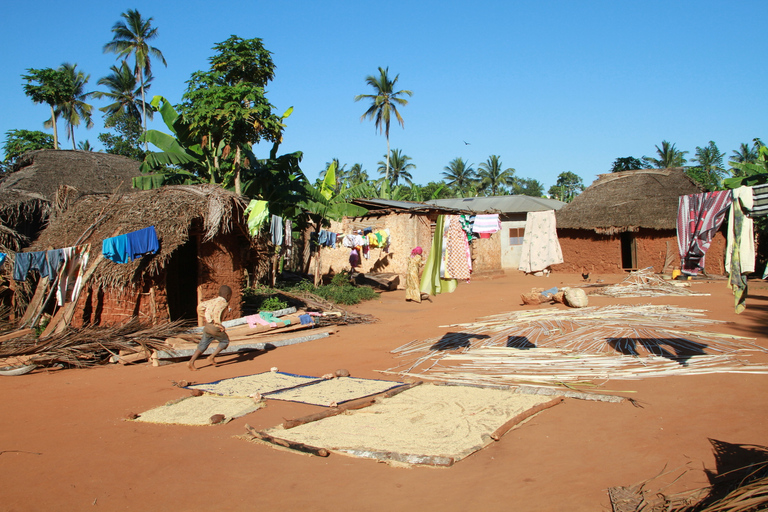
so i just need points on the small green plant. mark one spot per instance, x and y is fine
(340, 279)
(272, 304)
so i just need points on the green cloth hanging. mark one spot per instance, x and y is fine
(431, 282)
(736, 280)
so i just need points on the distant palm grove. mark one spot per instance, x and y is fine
(212, 132)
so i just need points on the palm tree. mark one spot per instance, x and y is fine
(460, 175)
(745, 154)
(399, 165)
(130, 38)
(73, 107)
(357, 175)
(492, 178)
(383, 104)
(669, 156)
(124, 93)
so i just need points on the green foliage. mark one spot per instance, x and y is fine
(710, 171)
(73, 107)
(272, 304)
(669, 156)
(460, 175)
(493, 180)
(627, 163)
(52, 87)
(528, 187)
(399, 167)
(125, 93)
(341, 279)
(749, 173)
(18, 142)
(567, 187)
(126, 140)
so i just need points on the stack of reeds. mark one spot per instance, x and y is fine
(644, 283)
(552, 346)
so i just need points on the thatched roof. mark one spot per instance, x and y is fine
(628, 200)
(41, 173)
(28, 195)
(173, 210)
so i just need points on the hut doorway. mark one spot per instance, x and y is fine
(181, 282)
(628, 250)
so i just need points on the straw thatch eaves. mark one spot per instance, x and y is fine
(29, 195)
(175, 211)
(629, 200)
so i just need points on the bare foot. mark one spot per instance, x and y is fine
(192, 366)
(212, 361)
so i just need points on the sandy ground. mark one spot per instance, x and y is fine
(64, 444)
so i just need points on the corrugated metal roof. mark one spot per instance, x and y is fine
(389, 204)
(500, 204)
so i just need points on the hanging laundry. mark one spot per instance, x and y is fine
(276, 230)
(322, 237)
(740, 248)
(26, 261)
(288, 237)
(431, 282)
(71, 274)
(699, 216)
(2, 258)
(760, 200)
(54, 258)
(487, 223)
(467, 221)
(117, 249)
(457, 258)
(348, 241)
(332, 240)
(540, 247)
(144, 241)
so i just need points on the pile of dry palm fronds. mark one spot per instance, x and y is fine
(550, 347)
(644, 283)
(739, 485)
(90, 346)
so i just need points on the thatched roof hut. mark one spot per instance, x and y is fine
(626, 221)
(30, 194)
(202, 239)
(627, 201)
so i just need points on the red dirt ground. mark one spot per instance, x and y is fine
(64, 444)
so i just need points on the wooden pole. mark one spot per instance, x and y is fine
(506, 427)
(293, 445)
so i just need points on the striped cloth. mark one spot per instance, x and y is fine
(487, 223)
(699, 216)
(760, 196)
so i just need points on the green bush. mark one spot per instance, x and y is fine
(272, 304)
(346, 294)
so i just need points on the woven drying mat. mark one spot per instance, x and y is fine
(248, 385)
(426, 423)
(334, 391)
(197, 410)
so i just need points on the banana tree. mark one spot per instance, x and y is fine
(322, 204)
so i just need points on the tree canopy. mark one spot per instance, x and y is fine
(627, 163)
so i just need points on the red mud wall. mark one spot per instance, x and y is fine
(113, 307)
(220, 262)
(584, 249)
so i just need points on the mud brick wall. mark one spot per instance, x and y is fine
(601, 254)
(221, 263)
(406, 232)
(486, 253)
(97, 306)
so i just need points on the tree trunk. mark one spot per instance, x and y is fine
(237, 172)
(55, 131)
(143, 109)
(386, 176)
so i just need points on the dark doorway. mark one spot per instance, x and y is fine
(181, 282)
(628, 250)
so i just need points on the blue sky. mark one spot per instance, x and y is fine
(550, 86)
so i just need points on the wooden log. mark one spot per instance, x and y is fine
(408, 458)
(387, 282)
(506, 427)
(347, 406)
(16, 334)
(124, 357)
(36, 303)
(53, 323)
(293, 445)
